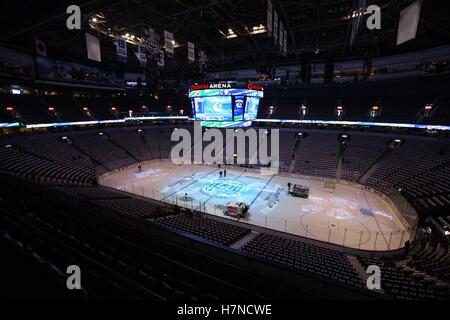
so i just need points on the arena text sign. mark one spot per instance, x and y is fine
(221, 85)
(232, 152)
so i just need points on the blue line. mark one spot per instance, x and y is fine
(188, 185)
(243, 172)
(262, 189)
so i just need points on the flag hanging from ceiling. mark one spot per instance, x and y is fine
(121, 48)
(93, 48)
(191, 52)
(41, 49)
(153, 49)
(409, 20)
(168, 41)
(149, 32)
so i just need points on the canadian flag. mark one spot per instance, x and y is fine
(41, 49)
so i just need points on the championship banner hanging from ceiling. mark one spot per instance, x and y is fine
(160, 60)
(285, 43)
(280, 37)
(409, 21)
(141, 55)
(191, 52)
(41, 48)
(202, 60)
(121, 48)
(275, 27)
(93, 47)
(168, 41)
(269, 17)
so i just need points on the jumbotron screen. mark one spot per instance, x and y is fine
(239, 104)
(225, 102)
(213, 108)
(251, 108)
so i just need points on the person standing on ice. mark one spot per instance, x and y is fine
(220, 174)
(224, 173)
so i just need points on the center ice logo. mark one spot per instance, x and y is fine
(224, 189)
(231, 146)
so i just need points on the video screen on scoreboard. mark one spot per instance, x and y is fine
(239, 102)
(193, 108)
(213, 108)
(251, 108)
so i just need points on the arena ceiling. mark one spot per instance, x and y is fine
(318, 30)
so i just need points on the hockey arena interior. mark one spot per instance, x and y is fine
(349, 99)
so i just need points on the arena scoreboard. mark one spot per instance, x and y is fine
(225, 102)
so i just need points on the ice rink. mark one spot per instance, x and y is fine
(347, 215)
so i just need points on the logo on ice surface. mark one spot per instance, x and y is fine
(224, 189)
(238, 144)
